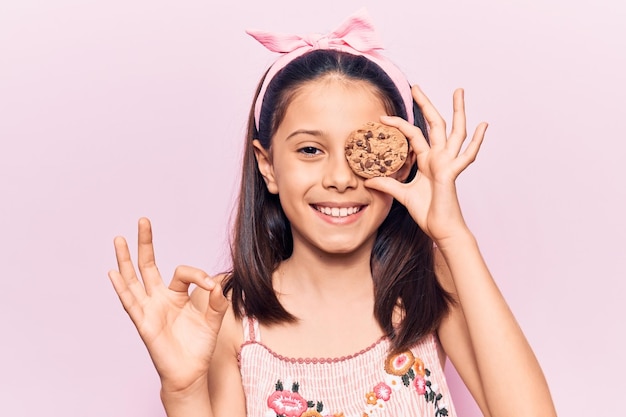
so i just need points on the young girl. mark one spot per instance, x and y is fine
(345, 295)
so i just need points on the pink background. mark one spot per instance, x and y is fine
(111, 110)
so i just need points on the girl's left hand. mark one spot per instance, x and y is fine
(431, 196)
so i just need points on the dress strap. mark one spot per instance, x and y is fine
(251, 331)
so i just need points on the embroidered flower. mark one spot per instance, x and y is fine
(394, 382)
(418, 366)
(404, 370)
(287, 403)
(311, 413)
(399, 363)
(383, 391)
(316, 409)
(380, 404)
(372, 409)
(371, 397)
(420, 385)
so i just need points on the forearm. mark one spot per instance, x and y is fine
(512, 380)
(193, 402)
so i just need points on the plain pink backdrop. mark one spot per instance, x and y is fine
(111, 110)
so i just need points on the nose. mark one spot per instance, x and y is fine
(338, 174)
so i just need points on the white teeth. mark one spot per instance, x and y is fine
(337, 211)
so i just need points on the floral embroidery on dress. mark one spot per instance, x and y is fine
(403, 370)
(289, 403)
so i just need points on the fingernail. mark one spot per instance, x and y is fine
(210, 283)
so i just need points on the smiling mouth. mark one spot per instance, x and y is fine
(338, 211)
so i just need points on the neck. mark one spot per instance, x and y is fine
(326, 275)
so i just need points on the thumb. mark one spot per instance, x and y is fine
(387, 185)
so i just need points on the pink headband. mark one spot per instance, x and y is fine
(356, 36)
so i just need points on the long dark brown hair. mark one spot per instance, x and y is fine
(402, 261)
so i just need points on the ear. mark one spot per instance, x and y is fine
(264, 162)
(403, 173)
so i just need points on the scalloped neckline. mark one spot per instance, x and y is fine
(314, 360)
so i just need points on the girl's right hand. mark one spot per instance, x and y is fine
(179, 337)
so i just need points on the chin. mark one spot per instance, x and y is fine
(345, 248)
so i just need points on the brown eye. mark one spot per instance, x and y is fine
(309, 150)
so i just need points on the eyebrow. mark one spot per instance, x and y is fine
(305, 132)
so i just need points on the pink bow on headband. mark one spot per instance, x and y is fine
(356, 32)
(356, 36)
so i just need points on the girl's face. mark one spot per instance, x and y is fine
(329, 208)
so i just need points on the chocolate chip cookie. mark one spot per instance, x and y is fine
(376, 150)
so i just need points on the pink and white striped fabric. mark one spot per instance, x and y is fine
(369, 383)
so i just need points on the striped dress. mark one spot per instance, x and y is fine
(369, 383)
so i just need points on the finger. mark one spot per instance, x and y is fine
(217, 304)
(459, 130)
(416, 139)
(389, 186)
(147, 265)
(127, 269)
(126, 296)
(185, 275)
(469, 154)
(436, 123)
